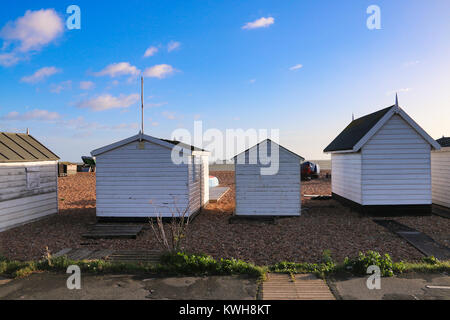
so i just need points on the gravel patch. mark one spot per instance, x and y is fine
(326, 225)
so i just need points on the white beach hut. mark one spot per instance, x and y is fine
(440, 173)
(381, 164)
(267, 188)
(143, 176)
(28, 180)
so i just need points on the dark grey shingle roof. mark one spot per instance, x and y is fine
(354, 132)
(444, 142)
(21, 147)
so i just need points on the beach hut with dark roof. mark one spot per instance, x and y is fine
(28, 180)
(143, 176)
(440, 173)
(381, 163)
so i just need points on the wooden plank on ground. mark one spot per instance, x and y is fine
(301, 287)
(135, 256)
(100, 254)
(110, 231)
(62, 252)
(216, 193)
(79, 254)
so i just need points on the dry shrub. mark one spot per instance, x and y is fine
(171, 239)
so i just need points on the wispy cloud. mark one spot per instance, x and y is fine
(34, 30)
(259, 23)
(150, 51)
(153, 123)
(57, 88)
(159, 71)
(296, 67)
(173, 45)
(36, 114)
(29, 33)
(107, 101)
(411, 63)
(398, 90)
(41, 74)
(8, 59)
(86, 85)
(251, 81)
(118, 69)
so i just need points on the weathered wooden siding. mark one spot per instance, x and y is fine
(134, 182)
(396, 166)
(276, 195)
(440, 177)
(346, 175)
(22, 202)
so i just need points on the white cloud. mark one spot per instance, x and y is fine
(36, 114)
(155, 124)
(259, 23)
(80, 123)
(159, 71)
(34, 30)
(118, 69)
(8, 59)
(296, 67)
(107, 101)
(150, 51)
(173, 45)
(57, 88)
(86, 85)
(40, 74)
(251, 81)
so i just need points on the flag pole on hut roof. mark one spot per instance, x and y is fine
(142, 107)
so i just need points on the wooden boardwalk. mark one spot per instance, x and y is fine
(300, 287)
(144, 256)
(113, 231)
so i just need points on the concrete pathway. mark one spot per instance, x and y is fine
(43, 286)
(406, 287)
(297, 287)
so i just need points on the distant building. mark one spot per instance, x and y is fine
(381, 163)
(28, 180)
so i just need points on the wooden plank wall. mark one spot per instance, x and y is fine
(346, 175)
(396, 166)
(134, 182)
(277, 195)
(20, 204)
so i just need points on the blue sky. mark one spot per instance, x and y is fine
(78, 90)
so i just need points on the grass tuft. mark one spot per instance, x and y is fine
(182, 263)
